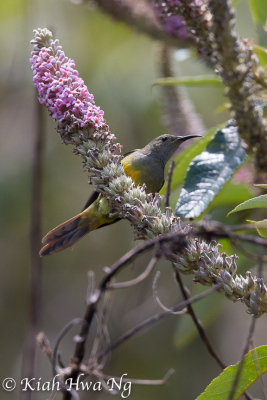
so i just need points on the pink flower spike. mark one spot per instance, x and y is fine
(60, 88)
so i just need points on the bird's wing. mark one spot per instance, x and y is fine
(130, 152)
(93, 196)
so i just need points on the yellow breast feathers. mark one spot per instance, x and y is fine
(133, 173)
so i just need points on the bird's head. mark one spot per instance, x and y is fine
(164, 146)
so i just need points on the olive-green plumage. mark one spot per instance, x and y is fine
(145, 166)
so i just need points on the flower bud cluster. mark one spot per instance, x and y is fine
(210, 266)
(211, 23)
(81, 123)
(189, 11)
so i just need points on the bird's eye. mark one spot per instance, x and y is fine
(164, 138)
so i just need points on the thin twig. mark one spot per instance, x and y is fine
(178, 239)
(79, 351)
(61, 335)
(103, 332)
(151, 265)
(68, 392)
(216, 229)
(157, 317)
(241, 363)
(150, 382)
(35, 239)
(254, 356)
(260, 263)
(155, 292)
(247, 343)
(168, 187)
(91, 285)
(44, 345)
(197, 322)
(104, 285)
(241, 227)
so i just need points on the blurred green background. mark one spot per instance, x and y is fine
(118, 65)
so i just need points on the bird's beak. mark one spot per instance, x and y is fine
(184, 138)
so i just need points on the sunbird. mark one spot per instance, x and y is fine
(145, 166)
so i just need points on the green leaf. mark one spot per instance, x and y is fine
(231, 194)
(206, 80)
(258, 10)
(261, 227)
(255, 365)
(261, 53)
(209, 171)
(255, 202)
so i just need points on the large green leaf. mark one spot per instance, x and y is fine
(255, 202)
(206, 80)
(258, 10)
(209, 171)
(255, 365)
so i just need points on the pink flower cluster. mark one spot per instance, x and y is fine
(61, 89)
(173, 24)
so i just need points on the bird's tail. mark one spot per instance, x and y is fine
(65, 235)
